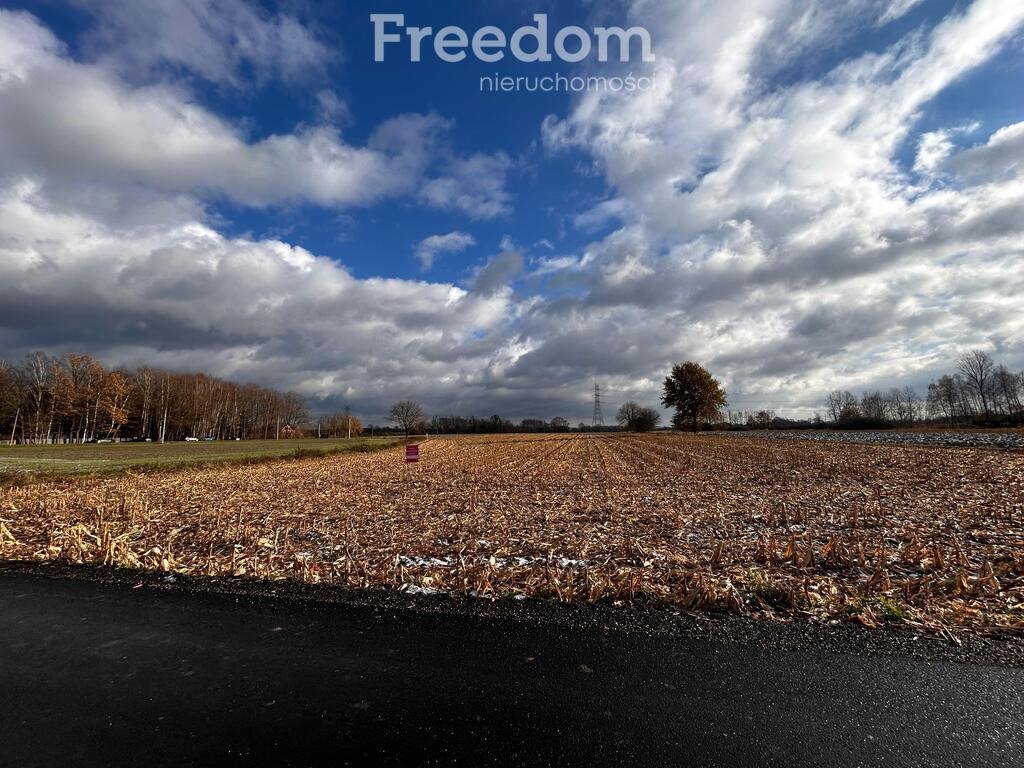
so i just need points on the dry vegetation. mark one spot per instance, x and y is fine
(26, 463)
(876, 534)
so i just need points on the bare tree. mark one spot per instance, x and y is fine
(1007, 387)
(914, 405)
(840, 402)
(10, 399)
(873, 406)
(145, 384)
(117, 393)
(637, 418)
(977, 369)
(942, 399)
(408, 415)
(37, 370)
(903, 405)
(761, 419)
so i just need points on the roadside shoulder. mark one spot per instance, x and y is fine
(639, 620)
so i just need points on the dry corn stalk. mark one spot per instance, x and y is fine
(928, 537)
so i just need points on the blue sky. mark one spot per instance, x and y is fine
(381, 240)
(815, 195)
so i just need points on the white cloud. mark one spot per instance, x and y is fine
(932, 150)
(186, 296)
(106, 244)
(604, 212)
(473, 185)
(72, 123)
(218, 40)
(24, 42)
(897, 9)
(1002, 156)
(765, 223)
(430, 247)
(69, 123)
(331, 108)
(771, 223)
(494, 277)
(935, 148)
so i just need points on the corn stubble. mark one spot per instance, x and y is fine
(930, 538)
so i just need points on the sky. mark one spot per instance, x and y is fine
(809, 196)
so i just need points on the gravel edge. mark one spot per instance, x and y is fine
(778, 636)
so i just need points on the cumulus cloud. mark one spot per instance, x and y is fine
(778, 232)
(106, 244)
(932, 150)
(430, 247)
(79, 127)
(71, 123)
(1002, 156)
(765, 219)
(473, 185)
(188, 297)
(497, 273)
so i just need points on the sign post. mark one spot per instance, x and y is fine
(412, 454)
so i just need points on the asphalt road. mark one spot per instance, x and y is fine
(94, 674)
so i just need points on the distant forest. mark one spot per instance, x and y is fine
(979, 393)
(74, 399)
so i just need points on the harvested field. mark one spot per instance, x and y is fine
(877, 534)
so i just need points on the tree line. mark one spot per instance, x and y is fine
(695, 395)
(409, 418)
(979, 393)
(74, 399)
(474, 425)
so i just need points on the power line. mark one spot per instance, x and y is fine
(598, 416)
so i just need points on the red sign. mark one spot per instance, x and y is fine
(412, 454)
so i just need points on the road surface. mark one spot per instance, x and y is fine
(103, 674)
